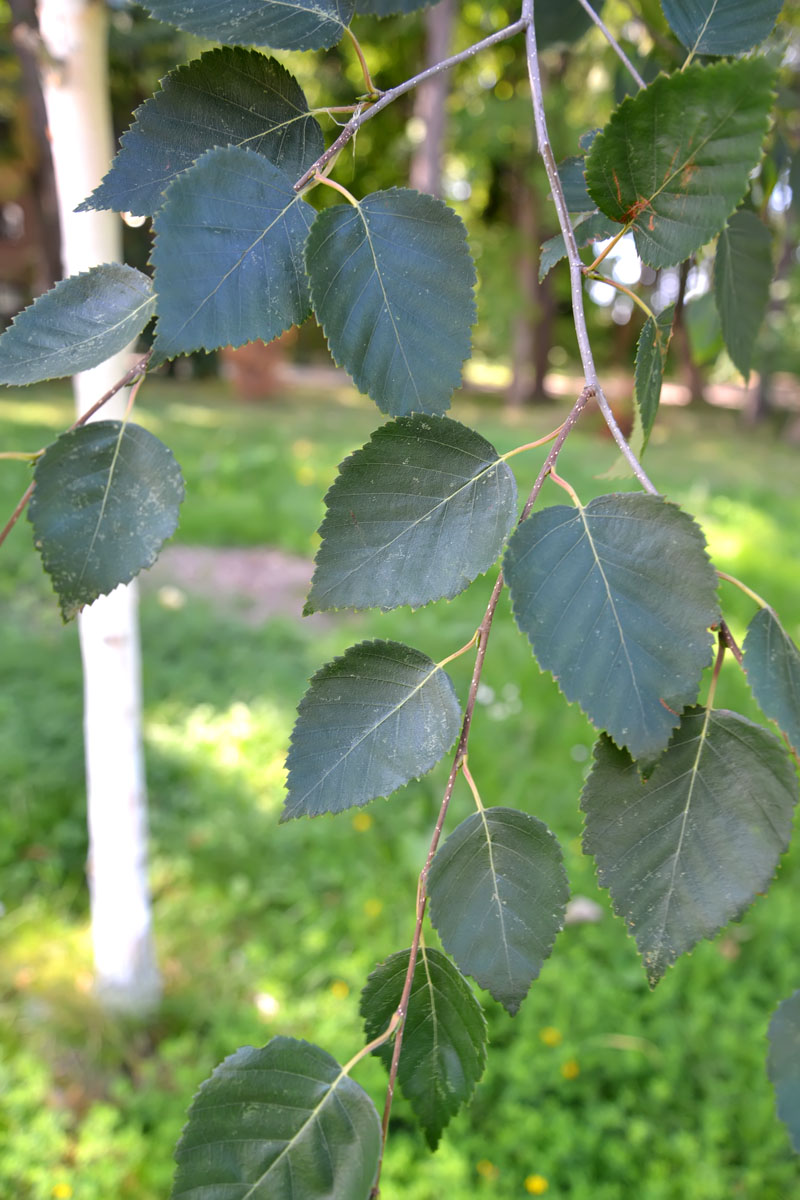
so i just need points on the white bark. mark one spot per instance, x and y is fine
(75, 85)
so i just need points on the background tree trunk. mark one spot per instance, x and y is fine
(75, 87)
(430, 104)
(24, 33)
(532, 335)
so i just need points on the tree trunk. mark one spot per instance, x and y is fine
(75, 87)
(532, 335)
(430, 105)
(24, 34)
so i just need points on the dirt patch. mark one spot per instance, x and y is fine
(256, 584)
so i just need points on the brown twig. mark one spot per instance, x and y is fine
(483, 632)
(137, 369)
(358, 119)
(730, 641)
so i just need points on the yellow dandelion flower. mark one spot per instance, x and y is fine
(362, 821)
(551, 1036)
(570, 1069)
(536, 1185)
(487, 1169)
(62, 1191)
(340, 989)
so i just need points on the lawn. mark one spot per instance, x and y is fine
(598, 1087)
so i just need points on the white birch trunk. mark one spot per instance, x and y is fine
(75, 85)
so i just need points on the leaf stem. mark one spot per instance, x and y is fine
(760, 601)
(568, 488)
(358, 118)
(586, 395)
(463, 650)
(721, 648)
(476, 796)
(648, 312)
(337, 108)
(21, 455)
(605, 251)
(613, 43)
(138, 369)
(576, 267)
(542, 441)
(373, 1045)
(337, 187)
(372, 92)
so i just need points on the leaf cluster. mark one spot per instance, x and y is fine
(687, 808)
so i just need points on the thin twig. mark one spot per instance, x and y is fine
(573, 257)
(718, 661)
(358, 119)
(137, 369)
(612, 41)
(458, 760)
(730, 642)
(18, 511)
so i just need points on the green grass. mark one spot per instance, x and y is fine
(265, 929)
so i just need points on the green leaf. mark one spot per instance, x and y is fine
(616, 599)
(721, 26)
(279, 1121)
(783, 1064)
(282, 24)
(391, 284)
(677, 190)
(413, 516)
(651, 355)
(704, 329)
(772, 663)
(444, 1038)
(560, 21)
(79, 323)
(498, 893)
(588, 227)
(371, 721)
(106, 499)
(226, 97)
(742, 277)
(688, 850)
(573, 184)
(228, 255)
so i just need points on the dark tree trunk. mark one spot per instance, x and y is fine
(532, 333)
(692, 373)
(430, 105)
(44, 204)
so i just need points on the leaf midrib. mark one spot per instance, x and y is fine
(386, 305)
(103, 503)
(367, 733)
(441, 502)
(694, 775)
